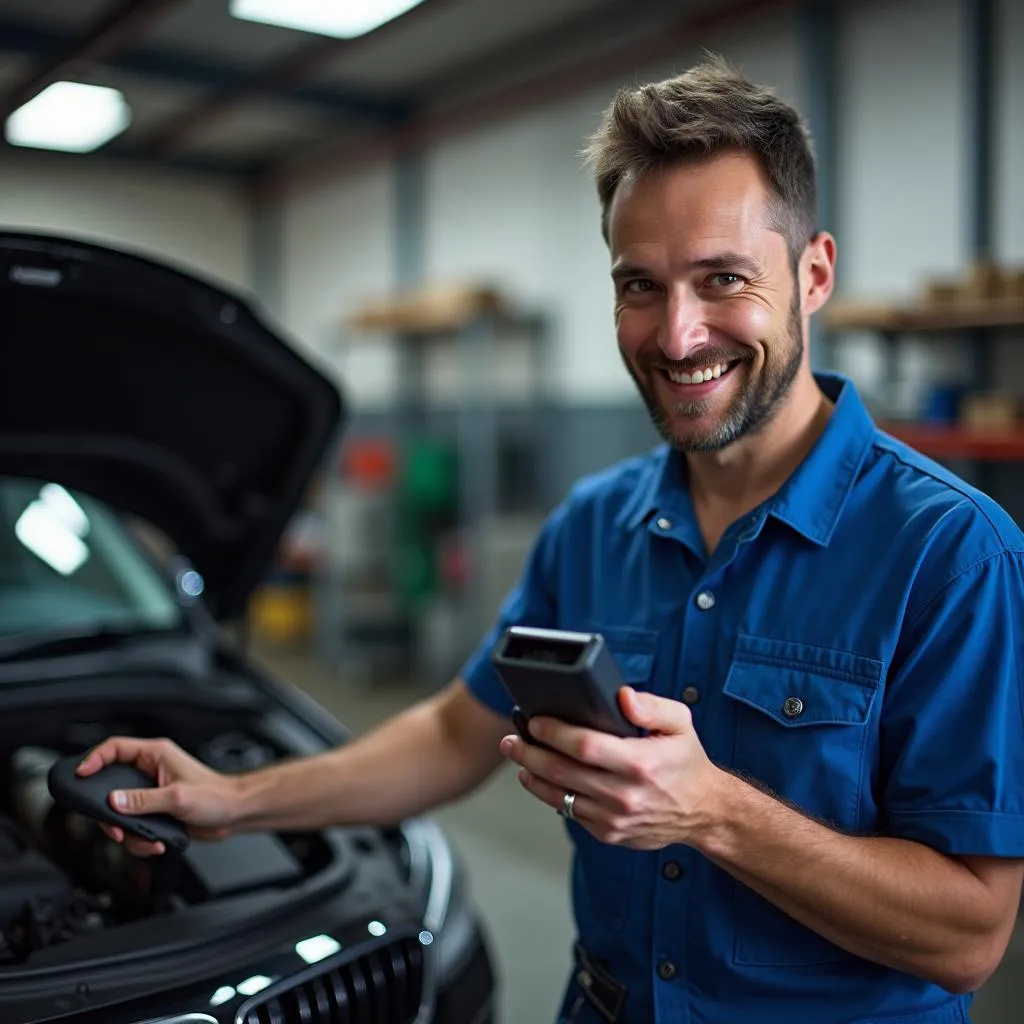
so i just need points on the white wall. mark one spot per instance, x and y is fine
(338, 250)
(511, 204)
(1009, 235)
(201, 225)
(903, 189)
(514, 205)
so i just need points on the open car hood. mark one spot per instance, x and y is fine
(161, 395)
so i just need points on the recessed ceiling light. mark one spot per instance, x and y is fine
(343, 19)
(69, 116)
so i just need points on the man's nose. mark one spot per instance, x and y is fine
(684, 332)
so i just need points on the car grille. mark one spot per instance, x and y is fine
(382, 987)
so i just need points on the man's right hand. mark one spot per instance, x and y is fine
(186, 789)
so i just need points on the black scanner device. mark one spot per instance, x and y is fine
(90, 795)
(561, 674)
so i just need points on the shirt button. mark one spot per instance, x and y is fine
(792, 707)
(672, 871)
(664, 524)
(666, 970)
(691, 695)
(705, 600)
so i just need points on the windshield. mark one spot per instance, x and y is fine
(68, 562)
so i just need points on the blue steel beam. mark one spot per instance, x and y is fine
(108, 35)
(347, 103)
(980, 143)
(819, 32)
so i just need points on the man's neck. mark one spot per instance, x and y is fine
(735, 480)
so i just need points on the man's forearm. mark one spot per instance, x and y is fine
(424, 757)
(892, 901)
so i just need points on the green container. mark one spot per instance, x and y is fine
(427, 495)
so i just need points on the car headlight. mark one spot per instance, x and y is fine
(449, 920)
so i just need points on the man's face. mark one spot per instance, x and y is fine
(707, 310)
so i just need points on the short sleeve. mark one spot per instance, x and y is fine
(952, 729)
(531, 602)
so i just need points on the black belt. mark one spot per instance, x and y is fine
(598, 987)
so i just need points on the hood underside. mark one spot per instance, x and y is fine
(162, 395)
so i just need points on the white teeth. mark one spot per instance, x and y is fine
(698, 376)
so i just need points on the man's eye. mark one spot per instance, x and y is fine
(640, 284)
(724, 280)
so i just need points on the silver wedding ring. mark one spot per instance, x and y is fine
(567, 801)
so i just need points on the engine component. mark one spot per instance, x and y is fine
(235, 752)
(24, 874)
(45, 922)
(32, 800)
(236, 865)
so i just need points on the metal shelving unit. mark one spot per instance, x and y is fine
(473, 327)
(978, 324)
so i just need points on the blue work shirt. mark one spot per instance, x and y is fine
(878, 589)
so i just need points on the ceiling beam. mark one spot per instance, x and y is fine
(598, 26)
(239, 172)
(303, 173)
(116, 30)
(286, 74)
(159, 65)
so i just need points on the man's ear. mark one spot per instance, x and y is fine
(817, 272)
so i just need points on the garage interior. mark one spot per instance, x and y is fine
(411, 208)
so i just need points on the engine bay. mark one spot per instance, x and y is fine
(62, 879)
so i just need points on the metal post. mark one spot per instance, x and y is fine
(980, 141)
(980, 149)
(478, 471)
(266, 245)
(410, 227)
(820, 34)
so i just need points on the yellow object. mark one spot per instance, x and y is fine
(281, 614)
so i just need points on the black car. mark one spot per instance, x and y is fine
(136, 397)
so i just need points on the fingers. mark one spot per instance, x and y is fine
(656, 714)
(143, 848)
(585, 746)
(559, 771)
(160, 800)
(133, 844)
(584, 809)
(120, 749)
(113, 831)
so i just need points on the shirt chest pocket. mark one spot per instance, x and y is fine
(804, 723)
(603, 873)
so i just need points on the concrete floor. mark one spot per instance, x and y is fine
(518, 860)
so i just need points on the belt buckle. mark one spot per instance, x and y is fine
(598, 987)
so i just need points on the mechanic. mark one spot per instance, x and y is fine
(822, 631)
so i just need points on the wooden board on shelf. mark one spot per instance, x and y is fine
(429, 310)
(939, 441)
(894, 319)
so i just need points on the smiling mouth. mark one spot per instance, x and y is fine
(701, 376)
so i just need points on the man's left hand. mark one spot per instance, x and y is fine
(646, 792)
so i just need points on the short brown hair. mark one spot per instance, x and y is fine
(710, 109)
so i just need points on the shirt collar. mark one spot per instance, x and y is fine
(810, 501)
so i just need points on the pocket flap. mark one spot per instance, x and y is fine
(798, 684)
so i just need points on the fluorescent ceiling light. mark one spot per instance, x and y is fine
(343, 19)
(69, 116)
